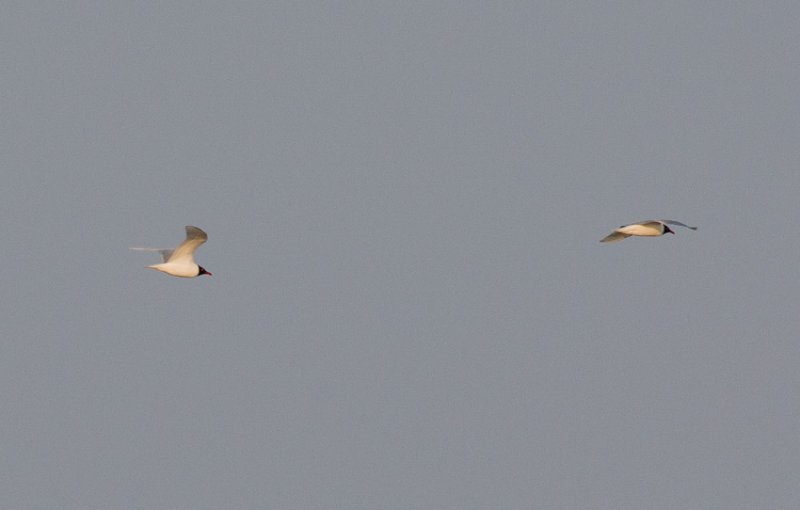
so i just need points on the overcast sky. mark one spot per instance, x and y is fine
(410, 308)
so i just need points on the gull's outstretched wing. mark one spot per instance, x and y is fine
(673, 222)
(614, 236)
(165, 254)
(185, 251)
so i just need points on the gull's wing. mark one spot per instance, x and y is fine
(673, 222)
(647, 223)
(165, 254)
(185, 251)
(614, 236)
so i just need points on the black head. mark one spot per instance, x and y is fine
(667, 229)
(203, 271)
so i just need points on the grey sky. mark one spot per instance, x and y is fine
(410, 308)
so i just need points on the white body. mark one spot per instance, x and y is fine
(180, 269)
(180, 261)
(649, 228)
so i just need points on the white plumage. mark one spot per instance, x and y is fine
(180, 261)
(649, 228)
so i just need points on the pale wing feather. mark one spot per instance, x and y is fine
(648, 223)
(673, 222)
(614, 236)
(165, 254)
(185, 251)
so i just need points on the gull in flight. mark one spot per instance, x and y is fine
(180, 261)
(649, 228)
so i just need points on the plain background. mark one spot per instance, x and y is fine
(410, 308)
